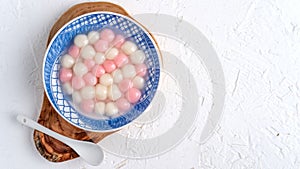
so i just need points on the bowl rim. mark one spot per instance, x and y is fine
(61, 29)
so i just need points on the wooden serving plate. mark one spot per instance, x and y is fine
(50, 148)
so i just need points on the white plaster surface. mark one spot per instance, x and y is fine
(258, 44)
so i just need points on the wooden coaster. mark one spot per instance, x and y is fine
(50, 148)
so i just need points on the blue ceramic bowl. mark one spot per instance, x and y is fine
(62, 41)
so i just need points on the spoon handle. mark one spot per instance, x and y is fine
(30, 123)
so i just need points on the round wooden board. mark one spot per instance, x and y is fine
(50, 148)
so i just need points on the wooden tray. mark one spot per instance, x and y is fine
(50, 148)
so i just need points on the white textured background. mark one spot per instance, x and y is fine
(257, 41)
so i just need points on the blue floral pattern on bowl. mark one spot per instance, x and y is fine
(64, 38)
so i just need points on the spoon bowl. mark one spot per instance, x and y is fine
(88, 151)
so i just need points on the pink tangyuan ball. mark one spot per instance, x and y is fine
(90, 79)
(77, 82)
(89, 63)
(133, 95)
(87, 106)
(107, 35)
(101, 45)
(118, 41)
(109, 66)
(125, 85)
(65, 74)
(98, 70)
(74, 51)
(141, 69)
(123, 104)
(121, 59)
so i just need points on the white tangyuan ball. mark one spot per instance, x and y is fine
(67, 61)
(128, 71)
(99, 58)
(87, 52)
(111, 53)
(68, 88)
(137, 57)
(106, 79)
(138, 82)
(76, 97)
(129, 47)
(93, 37)
(111, 109)
(114, 92)
(87, 92)
(117, 75)
(100, 108)
(80, 69)
(81, 40)
(101, 92)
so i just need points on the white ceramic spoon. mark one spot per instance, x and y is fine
(90, 152)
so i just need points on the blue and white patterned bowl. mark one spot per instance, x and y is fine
(62, 41)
